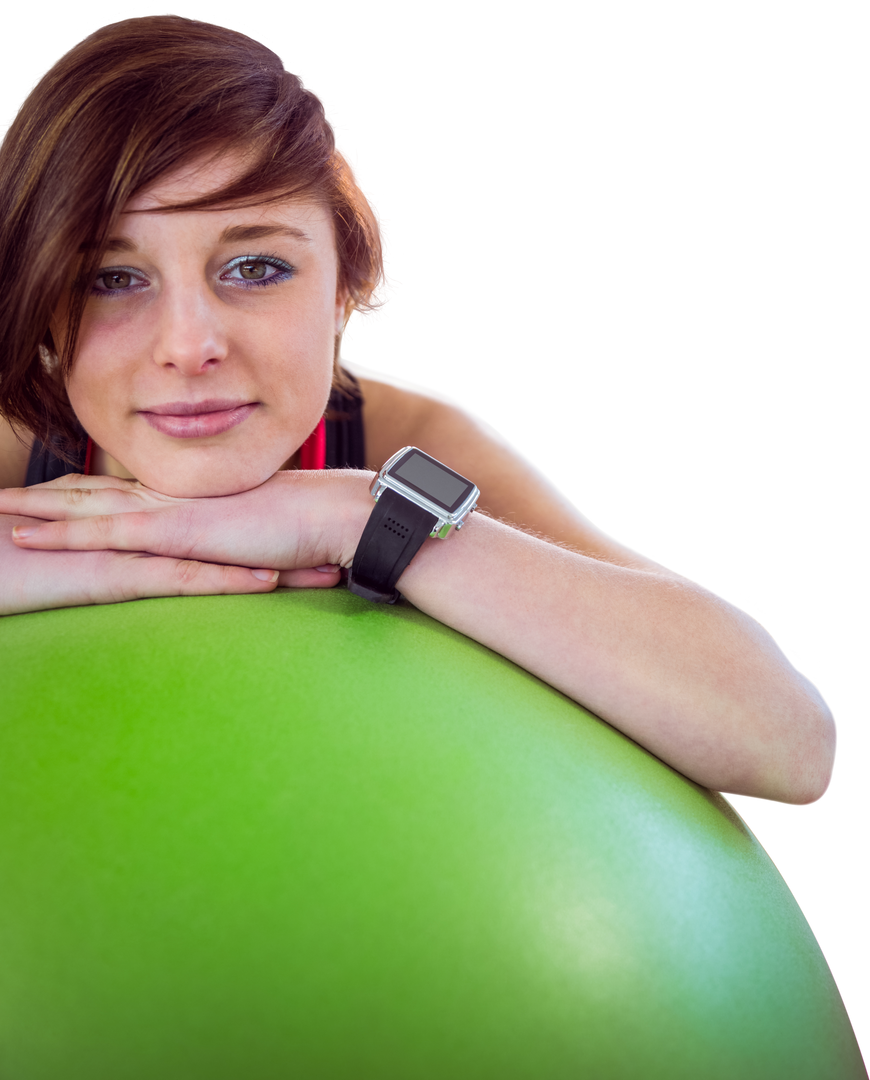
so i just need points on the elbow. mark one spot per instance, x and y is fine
(818, 793)
(816, 775)
(813, 763)
(800, 779)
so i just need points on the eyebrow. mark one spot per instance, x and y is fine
(234, 234)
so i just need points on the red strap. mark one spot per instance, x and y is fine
(312, 453)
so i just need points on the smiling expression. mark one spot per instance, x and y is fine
(205, 352)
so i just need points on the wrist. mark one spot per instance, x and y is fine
(355, 504)
(416, 496)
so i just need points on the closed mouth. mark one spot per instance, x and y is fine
(196, 408)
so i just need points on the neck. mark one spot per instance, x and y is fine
(103, 464)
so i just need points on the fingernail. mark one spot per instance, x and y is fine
(265, 575)
(327, 568)
(20, 531)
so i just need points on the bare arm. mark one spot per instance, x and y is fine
(686, 675)
(695, 681)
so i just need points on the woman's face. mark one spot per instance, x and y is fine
(205, 351)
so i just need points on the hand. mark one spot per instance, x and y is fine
(36, 580)
(306, 525)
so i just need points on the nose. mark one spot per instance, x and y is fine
(188, 331)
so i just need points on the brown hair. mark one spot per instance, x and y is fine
(125, 106)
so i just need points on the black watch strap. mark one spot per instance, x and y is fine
(392, 537)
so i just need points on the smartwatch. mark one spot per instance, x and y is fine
(415, 497)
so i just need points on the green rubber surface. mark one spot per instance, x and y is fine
(299, 835)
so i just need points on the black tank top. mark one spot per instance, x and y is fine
(345, 441)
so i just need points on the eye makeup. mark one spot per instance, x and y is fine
(284, 272)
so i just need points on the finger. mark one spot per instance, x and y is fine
(310, 578)
(117, 532)
(137, 576)
(58, 579)
(76, 480)
(81, 481)
(73, 501)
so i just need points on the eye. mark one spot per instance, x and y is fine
(116, 279)
(257, 270)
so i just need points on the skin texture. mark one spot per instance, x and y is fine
(186, 326)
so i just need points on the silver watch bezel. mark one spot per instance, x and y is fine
(446, 521)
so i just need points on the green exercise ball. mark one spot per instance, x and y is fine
(300, 835)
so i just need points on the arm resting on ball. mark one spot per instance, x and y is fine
(680, 671)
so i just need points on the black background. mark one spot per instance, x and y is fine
(623, 265)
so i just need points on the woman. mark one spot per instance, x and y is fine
(183, 247)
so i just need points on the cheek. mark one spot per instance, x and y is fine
(99, 381)
(90, 390)
(285, 359)
(294, 353)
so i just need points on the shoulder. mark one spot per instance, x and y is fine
(14, 455)
(511, 488)
(396, 416)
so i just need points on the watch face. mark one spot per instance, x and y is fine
(433, 480)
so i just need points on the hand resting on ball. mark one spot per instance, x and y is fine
(58, 576)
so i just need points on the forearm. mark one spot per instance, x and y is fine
(687, 676)
(681, 672)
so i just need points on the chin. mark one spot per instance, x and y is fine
(205, 482)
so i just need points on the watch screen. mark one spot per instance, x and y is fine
(435, 481)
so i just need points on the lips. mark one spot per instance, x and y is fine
(196, 408)
(197, 419)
